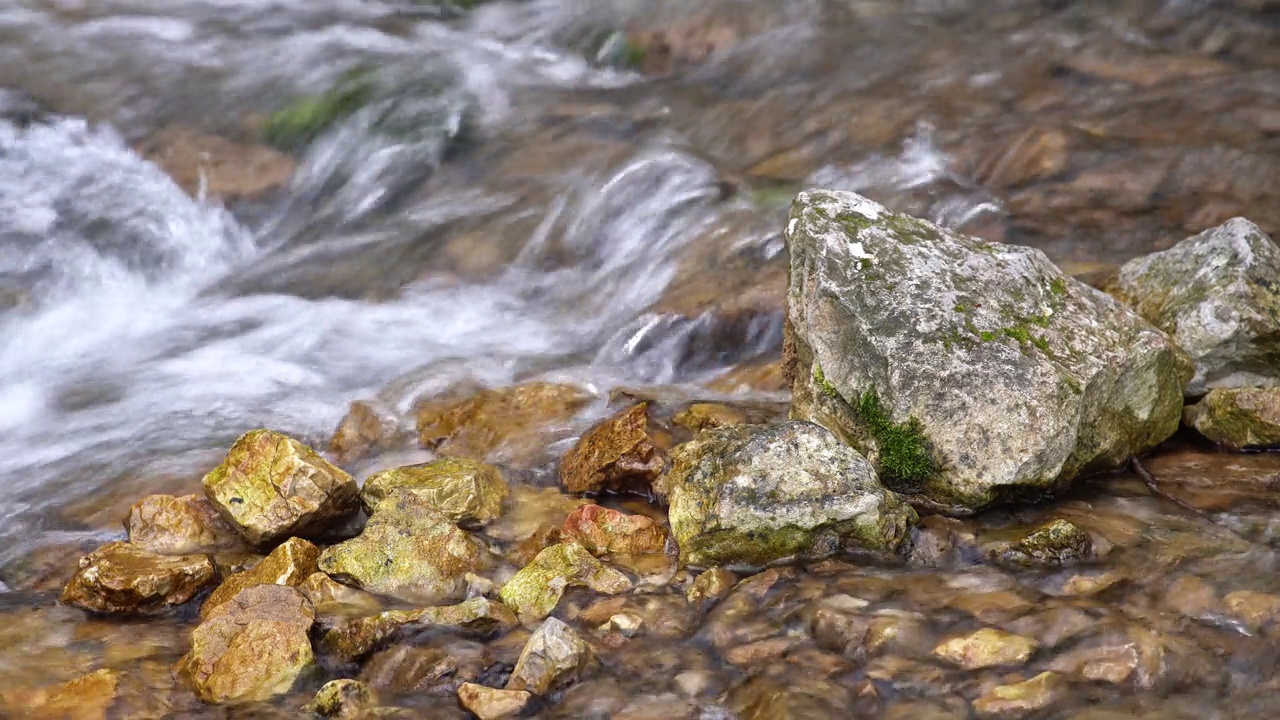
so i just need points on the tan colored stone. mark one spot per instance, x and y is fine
(356, 637)
(1038, 693)
(466, 491)
(603, 531)
(406, 669)
(553, 657)
(121, 578)
(180, 525)
(342, 698)
(330, 597)
(88, 697)
(271, 486)
(985, 648)
(488, 703)
(702, 416)
(252, 647)
(710, 586)
(289, 564)
(1253, 609)
(365, 428)
(617, 454)
(223, 168)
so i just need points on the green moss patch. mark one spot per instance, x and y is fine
(300, 122)
(905, 461)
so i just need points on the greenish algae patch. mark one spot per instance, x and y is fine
(302, 121)
(905, 460)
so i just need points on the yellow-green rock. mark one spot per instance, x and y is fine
(252, 647)
(121, 578)
(535, 591)
(357, 637)
(710, 586)
(1021, 698)
(1238, 418)
(290, 564)
(553, 656)
(408, 551)
(985, 648)
(466, 491)
(271, 486)
(180, 525)
(1057, 542)
(342, 698)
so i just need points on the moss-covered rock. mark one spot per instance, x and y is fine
(342, 698)
(617, 454)
(1055, 543)
(511, 426)
(180, 525)
(252, 647)
(1218, 295)
(752, 494)
(290, 564)
(122, 578)
(553, 657)
(271, 486)
(985, 648)
(357, 637)
(466, 491)
(1238, 418)
(296, 125)
(967, 372)
(535, 591)
(488, 703)
(603, 531)
(408, 550)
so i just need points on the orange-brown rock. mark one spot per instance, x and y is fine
(365, 428)
(604, 531)
(122, 578)
(228, 170)
(290, 564)
(618, 454)
(180, 525)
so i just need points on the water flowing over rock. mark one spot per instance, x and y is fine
(1018, 699)
(466, 491)
(356, 637)
(535, 591)
(489, 703)
(985, 648)
(1218, 295)
(271, 486)
(968, 372)
(251, 648)
(553, 657)
(342, 698)
(180, 525)
(330, 597)
(1057, 542)
(290, 564)
(1238, 418)
(407, 550)
(121, 578)
(617, 454)
(752, 494)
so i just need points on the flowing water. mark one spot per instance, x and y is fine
(525, 195)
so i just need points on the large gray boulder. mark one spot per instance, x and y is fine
(968, 372)
(1218, 295)
(748, 495)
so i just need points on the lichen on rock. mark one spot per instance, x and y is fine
(967, 372)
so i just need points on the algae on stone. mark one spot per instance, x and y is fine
(289, 564)
(271, 486)
(466, 491)
(300, 122)
(1238, 418)
(536, 589)
(967, 372)
(407, 550)
(1057, 542)
(751, 494)
(121, 578)
(1218, 295)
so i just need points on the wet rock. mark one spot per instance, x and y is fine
(1218, 295)
(535, 591)
(405, 669)
(330, 597)
(618, 454)
(1190, 596)
(1254, 610)
(365, 428)
(1238, 418)
(466, 491)
(985, 648)
(535, 515)
(918, 345)
(905, 634)
(219, 167)
(1057, 542)
(230, 563)
(767, 699)
(753, 494)
(357, 637)
(121, 578)
(1139, 657)
(409, 551)
(173, 525)
(289, 564)
(1016, 700)
(603, 531)
(1034, 154)
(838, 624)
(553, 657)
(511, 426)
(703, 416)
(271, 486)
(252, 647)
(488, 703)
(88, 697)
(710, 586)
(755, 377)
(342, 698)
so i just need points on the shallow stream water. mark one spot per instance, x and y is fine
(519, 200)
